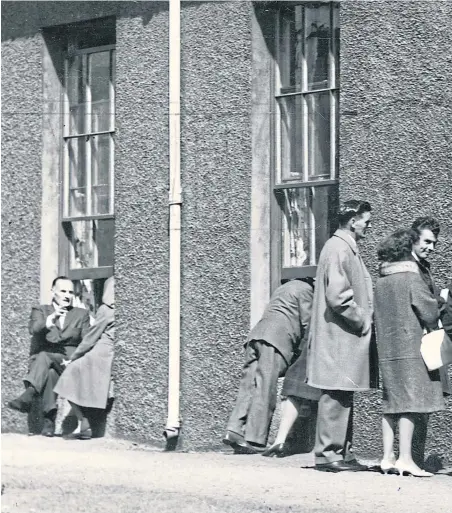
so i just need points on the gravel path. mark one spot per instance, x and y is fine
(42, 475)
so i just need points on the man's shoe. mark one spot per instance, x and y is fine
(232, 439)
(247, 448)
(340, 466)
(358, 466)
(24, 401)
(240, 445)
(49, 428)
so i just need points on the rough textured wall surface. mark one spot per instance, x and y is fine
(141, 246)
(141, 186)
(216, 175)
(395, 144)
(21, 203)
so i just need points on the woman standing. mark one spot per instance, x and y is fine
(86, 380)
(404, 307)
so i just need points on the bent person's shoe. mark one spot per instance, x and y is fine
(232, 439)
(340, 466)
(24, 401)
(248, 448)
(49, 428)
(277, 451)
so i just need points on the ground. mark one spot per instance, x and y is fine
(43, 475)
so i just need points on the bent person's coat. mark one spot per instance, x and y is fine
(338, 351)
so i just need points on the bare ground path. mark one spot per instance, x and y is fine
(42, 475)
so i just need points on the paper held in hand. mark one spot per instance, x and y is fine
(436, 349)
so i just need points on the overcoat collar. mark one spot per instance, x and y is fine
(388, 268)
(342, 234)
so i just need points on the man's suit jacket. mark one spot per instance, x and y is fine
(56, 339)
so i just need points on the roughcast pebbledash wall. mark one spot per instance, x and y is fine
(395, 127)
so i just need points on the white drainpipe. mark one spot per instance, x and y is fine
(175, 203)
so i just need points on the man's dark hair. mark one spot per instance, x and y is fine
(397, 246)
(350, 209)
(54, 282)
(425, 223)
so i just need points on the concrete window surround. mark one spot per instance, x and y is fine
(54, 243)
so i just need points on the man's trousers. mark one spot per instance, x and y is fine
(333, 440)
(256, 399)
(43, 373)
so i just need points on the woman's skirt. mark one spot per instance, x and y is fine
(295, 381)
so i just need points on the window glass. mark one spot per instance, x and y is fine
(306, 122)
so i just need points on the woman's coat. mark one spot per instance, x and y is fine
(404, 307)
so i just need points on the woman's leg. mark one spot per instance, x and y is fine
(83, 423)
(289, 414)
(388, 425)
(405, 461)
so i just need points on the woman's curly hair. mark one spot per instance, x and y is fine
(397, 246)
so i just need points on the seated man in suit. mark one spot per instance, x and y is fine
(56, 330)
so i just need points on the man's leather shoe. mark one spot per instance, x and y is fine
(340, 466)
(240, 445)
(49, 428)
(232, 439)
(24, 401)
(247, 448)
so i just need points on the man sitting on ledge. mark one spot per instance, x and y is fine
(56, 329)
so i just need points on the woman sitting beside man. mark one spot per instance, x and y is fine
(85, 383)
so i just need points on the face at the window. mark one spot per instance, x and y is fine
(425, 245)
(361, 224)
(63, 292)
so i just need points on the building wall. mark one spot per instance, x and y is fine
(216, 178)
(141, 197)
(396, 121)
(394, 66)
(21, 203)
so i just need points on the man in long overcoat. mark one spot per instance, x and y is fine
(339, 340)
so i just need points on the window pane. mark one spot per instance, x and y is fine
(101, 166)
(290, 49)
(318, 135)
(317, 45)
(76, 95)
(295, 226)
(291, 116)
(325, 203)
(337, 41)
(308, 222)
(91, 243)
(77, 176)
(100, 91)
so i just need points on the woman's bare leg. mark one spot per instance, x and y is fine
(289, 414)
(405, 461)
(388, 426)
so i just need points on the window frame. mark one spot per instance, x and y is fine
(279, 182)
(66, 220)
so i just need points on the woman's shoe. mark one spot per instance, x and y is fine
(411, 470)
(86, 434)
(388, 467)
(277, 451)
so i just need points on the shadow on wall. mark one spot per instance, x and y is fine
(26, 19)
